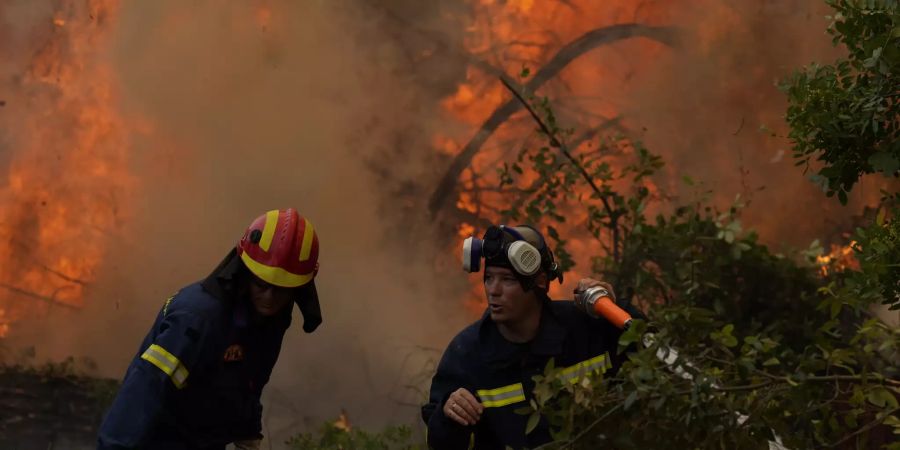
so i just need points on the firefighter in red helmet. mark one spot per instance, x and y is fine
(196, 380)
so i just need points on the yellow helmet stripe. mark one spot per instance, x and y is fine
(306, 246)
(269, 230)
(275, 275)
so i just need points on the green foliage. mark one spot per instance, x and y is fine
(728, 393)
(769, 347)
(763, 349)
(877, 248)
(847, 114)
(330, 437)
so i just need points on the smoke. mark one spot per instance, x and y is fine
(234, 108)
(712, 108)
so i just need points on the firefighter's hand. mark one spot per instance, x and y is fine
(586, 283)
(463, 407)
(247, 445)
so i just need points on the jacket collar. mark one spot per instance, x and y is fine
(220, 281)
(221, 284)
(497, 351)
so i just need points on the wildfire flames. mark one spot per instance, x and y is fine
(67, 179)
(840, 258)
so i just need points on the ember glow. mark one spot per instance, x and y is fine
(838, 259)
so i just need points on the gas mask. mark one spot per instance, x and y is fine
(524, 257)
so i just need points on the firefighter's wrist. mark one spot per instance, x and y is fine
(250, 444)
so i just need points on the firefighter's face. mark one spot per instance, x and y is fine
(268, 299)
(507, 301)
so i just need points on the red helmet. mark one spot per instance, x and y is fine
(281, 248)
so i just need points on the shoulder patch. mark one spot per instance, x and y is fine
(168, 302)
(234, 353)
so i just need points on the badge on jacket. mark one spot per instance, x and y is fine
(234, 353)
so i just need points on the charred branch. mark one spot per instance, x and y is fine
(63, 276)
(567, 54)
(555, 142)
(35, 295)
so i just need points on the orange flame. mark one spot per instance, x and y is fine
(839, 259)
(68, 180)
(343, 422)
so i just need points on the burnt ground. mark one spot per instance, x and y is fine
(48, 408)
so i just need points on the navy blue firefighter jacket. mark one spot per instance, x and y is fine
(196, 380)
(499, 373)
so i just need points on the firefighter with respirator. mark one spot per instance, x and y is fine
(197, 378)
(486, 372)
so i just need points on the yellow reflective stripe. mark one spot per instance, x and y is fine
(502, 396)
(165, 354)
(508, 401)
(501, 390)
(306, 246)
(168, 363)
(598, 363)
(269, 230)
(168, 370)
(180, 376)
(275, 275)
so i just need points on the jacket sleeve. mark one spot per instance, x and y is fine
(444, 433)
(164, 363)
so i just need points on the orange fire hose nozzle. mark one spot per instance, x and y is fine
(597, 302)
(605, 307)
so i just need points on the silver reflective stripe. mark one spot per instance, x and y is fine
(597, 364)
(168, 363)
(507, 395)
(502, 396)
(180, 376)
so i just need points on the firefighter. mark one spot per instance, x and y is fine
(486, 372)
(196, 380)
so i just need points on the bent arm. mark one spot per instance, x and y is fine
(444, 433)
(170, 352)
